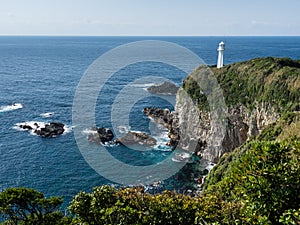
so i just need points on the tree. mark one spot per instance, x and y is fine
(28, 206)
(265, 178)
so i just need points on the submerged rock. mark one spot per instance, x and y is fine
(140, 138)
(166, 88)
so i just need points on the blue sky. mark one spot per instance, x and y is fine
(150, 17)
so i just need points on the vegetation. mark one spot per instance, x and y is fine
(106, 205)
(265, 179)
(28, 206)
(275, 81)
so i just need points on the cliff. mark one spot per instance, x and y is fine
(218, 110)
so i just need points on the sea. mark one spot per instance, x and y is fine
(39, 76)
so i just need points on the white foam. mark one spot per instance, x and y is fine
(182, 157)
(143, 85)
(11, 107)
(89, 131)
(162, 141)
(68, 129)
(47, 114)
(110, 144)
(137, 131)
(36, 125)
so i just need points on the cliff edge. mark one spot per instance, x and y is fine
(256, 94)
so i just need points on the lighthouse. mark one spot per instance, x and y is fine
(221, 54)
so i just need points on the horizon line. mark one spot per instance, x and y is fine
(87, 35)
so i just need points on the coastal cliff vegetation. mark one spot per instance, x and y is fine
(275, 81)
(256, 183)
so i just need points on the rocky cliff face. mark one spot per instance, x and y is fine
(255, 99)
(197, 131)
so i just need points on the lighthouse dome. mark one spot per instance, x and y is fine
(221, 46)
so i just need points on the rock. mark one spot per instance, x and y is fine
(160, 116)
(50, 130)
(132, 138)
(166, 88)
(25, 127)
(105, 134)
(101, 136)
(165, 118)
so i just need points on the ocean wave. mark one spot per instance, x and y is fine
(142, 85)
(89, 131)
(47, 114)
(110, 144)
(162, 141)
(11, 107)
(68, 129)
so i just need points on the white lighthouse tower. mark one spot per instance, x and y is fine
(221, 49)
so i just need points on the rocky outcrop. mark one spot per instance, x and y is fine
(46, 130)
(166, 88)
(50, 130)
(101, 135)
(165, 118)
(160, 116)
(136, 138)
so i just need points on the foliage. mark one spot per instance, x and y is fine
(270, 80)
(265, 179)
(28, 206)
(291, 217)
(106, 205)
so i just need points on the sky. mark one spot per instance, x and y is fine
(150, 17)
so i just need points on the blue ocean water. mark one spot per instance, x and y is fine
(42, 74)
